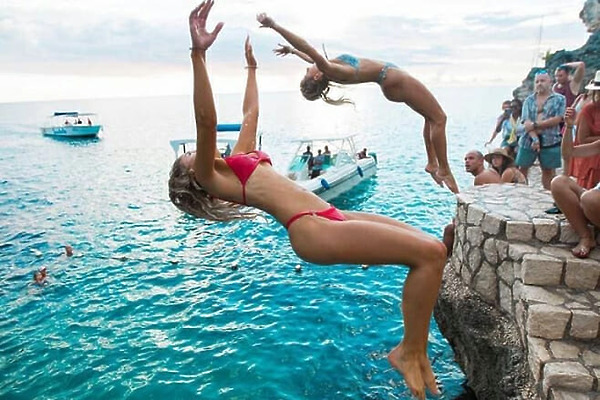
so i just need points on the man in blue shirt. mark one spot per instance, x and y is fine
(543, 112)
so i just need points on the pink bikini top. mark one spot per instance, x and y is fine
(243, 165)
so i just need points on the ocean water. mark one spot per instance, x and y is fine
(149, 307)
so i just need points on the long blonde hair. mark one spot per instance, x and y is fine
(314, 89)
(191, 198)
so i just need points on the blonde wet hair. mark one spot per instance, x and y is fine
(314, 89)
(191, 198)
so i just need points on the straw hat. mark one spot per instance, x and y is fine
(595, 84)
(499, 151)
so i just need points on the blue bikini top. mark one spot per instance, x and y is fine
(349, 60)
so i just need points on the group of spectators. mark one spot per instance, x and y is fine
(316, 163)
(555, 125)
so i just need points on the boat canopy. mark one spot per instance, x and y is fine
(71, 114)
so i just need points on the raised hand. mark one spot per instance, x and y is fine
(283, 50)
(570, 116)
(201, 38)
(250, 60)
(265, 20)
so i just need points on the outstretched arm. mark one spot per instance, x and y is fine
(332, 71)
(247, 139)
(283, 50)
(204, 106)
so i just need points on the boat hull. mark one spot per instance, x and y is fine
(74, 131)
(333, 183)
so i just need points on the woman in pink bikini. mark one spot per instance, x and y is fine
(396, 85)
(207, 186)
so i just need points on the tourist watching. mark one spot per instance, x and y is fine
(501, 162)
(500, 119)
(362, 154)
(317, 164)
(579, 205)
(327, 156)
(587, 170)
(542, 138)
(474, 165)
(511, 127)
(569, 77)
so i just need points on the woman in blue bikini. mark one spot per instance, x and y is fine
(396, 85)
(205, 185)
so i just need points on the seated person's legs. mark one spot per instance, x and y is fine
(567, 195)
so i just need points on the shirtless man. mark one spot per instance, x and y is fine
(473, 165)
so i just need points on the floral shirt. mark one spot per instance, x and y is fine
(554, 106)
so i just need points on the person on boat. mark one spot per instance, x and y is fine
(317, 167)
(396, 85)
(326, 155)
(501, 162)
(207, 186)
(579, 205)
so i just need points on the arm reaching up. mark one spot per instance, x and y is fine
(204, 106)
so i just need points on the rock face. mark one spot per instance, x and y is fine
(486, 343)
(588, 53)
(590, 15)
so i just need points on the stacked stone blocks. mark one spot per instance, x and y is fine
(518, 259)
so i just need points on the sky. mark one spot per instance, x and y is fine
(68, 49)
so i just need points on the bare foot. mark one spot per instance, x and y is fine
(584, 248)
(448, 179)
(416, 370)
(433, 172)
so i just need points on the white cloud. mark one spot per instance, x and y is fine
(66, 49)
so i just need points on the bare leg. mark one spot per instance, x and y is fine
(401, 87)
(524, 170)
(547, 175)
(377, 240)
(432, 163)
(567, 195)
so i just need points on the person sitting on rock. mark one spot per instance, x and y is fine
(579, 206)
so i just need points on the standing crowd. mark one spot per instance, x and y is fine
(557, 126)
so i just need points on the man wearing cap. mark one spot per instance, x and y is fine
(568, 84)
(543, 112)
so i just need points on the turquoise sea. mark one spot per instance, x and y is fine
(150, 306)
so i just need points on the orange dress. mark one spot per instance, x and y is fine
(587, 169)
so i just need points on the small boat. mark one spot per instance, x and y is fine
(225, 140)
(72, 124)
(341, 168)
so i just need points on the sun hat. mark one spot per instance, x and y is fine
(500, 152)
(595, 84)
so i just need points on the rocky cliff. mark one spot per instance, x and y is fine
(588, 53)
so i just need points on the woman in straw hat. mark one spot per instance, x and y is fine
(502, 163)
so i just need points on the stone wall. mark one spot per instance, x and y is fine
(516, 261)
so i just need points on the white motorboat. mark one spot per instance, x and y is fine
(72, 124)
(341, 170)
